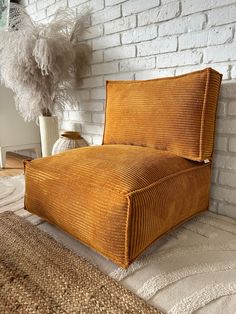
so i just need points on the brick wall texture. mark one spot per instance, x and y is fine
(143, 39)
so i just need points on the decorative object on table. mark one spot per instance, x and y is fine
(42, 63)
(48, 133)
(4, 13)
(29, 285)
(68, 140)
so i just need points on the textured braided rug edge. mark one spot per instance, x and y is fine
(40, 275)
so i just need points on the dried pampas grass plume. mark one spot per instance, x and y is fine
(42, 63)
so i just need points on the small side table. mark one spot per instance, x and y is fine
(5, 149)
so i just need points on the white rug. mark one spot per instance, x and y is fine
(190, 270)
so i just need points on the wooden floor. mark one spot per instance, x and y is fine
(14, 165)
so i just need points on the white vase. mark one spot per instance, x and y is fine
(68, 140)
(49, 133)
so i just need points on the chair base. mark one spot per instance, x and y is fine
(117, 199)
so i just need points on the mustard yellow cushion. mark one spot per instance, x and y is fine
(176, 114)
(116, 198)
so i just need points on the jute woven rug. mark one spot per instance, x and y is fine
(39, 275)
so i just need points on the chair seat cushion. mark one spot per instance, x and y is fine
(117, 199)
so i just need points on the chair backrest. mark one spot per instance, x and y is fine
(176, 114)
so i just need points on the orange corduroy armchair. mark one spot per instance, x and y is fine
(151, 173)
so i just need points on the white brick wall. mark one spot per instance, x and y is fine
(139, 34)
(144, 39)
(159, 14)
(120, 24)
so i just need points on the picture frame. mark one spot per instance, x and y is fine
(4, 13)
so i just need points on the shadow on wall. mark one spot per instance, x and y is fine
(223, 189)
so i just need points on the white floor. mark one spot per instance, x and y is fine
(190, 270)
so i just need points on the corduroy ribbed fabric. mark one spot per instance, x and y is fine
(176, 114)
(117, 199)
